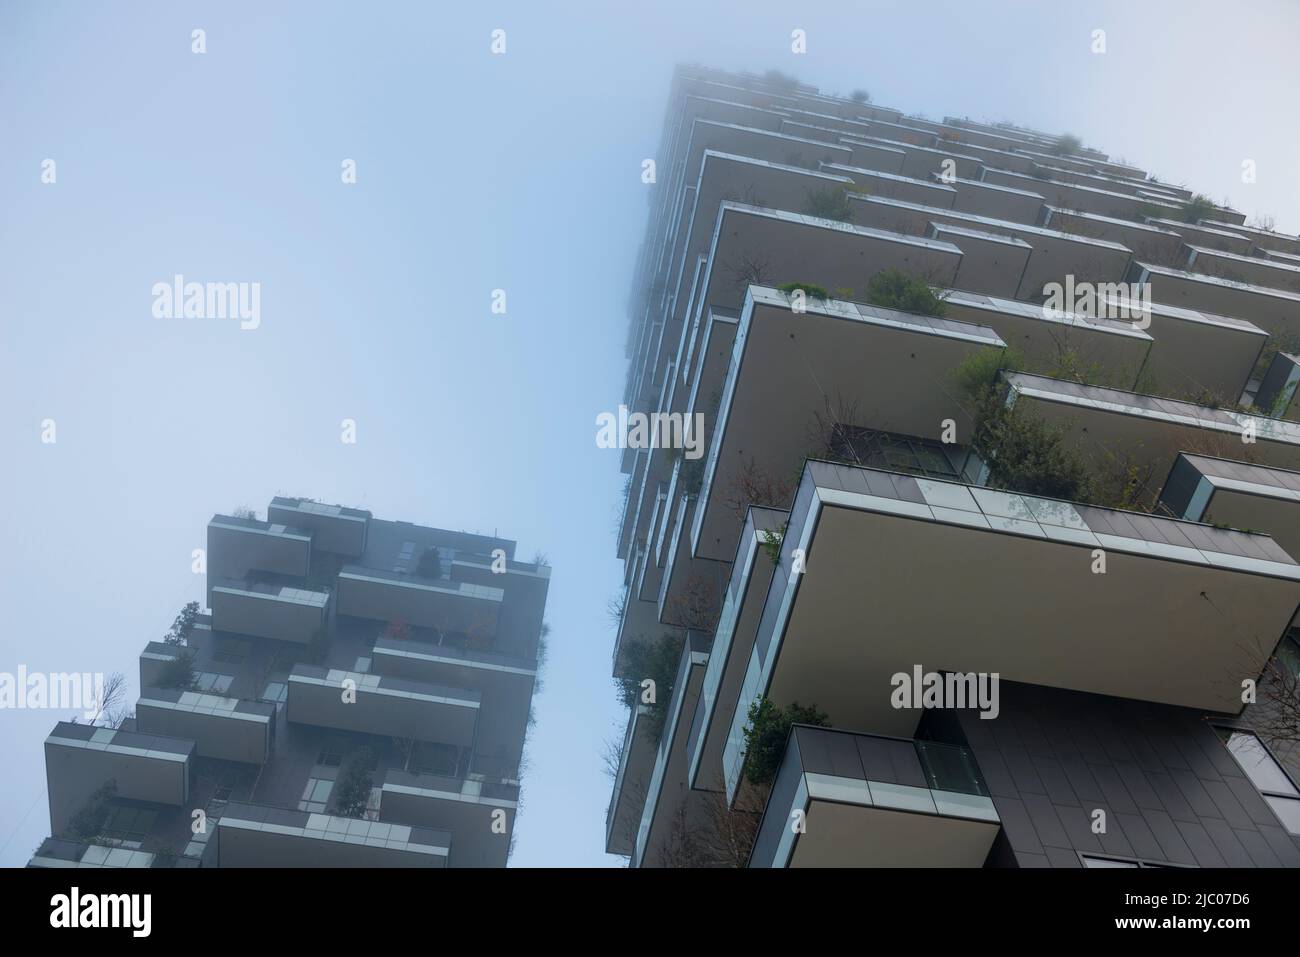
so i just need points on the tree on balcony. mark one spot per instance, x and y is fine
(767, 732)
(356, 779)
(895, 289)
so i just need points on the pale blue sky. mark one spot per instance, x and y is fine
(475, 172)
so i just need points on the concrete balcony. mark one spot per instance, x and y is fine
(1207, 236)
(1257, 270)
(1021, 598)
(334, 528)
(1276, 311)
(1040, 334)
(1150, 242)
(478, 813)
(384, 705)
(865, 800)
(81, 758)
(978, 198)
(1114, 429)
(667, 792)
(254, 835)
(266, 609)
(1236, 494)
(990, 263)
(880, 362)
(57, 853)
(1277, 391)
(380, 595)
(631, 781)
(924, 192)
(504, 684)
(733, 643)
(228, 729)
(1055, 254)
(238, 546)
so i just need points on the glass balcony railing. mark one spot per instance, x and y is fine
(950, 767)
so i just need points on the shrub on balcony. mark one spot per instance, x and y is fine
(178, 673)
(1067, 144)
(766, 734)
(356, 778)
(830, 202)
(1197, 208)
(810, 289)
(87, 824)
(179, 632)
(655, 661)
(895, 289)
(860, 96)
(430, 563)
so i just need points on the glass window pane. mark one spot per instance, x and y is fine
(1258, 764)
(1106, 862)
(1287, 810)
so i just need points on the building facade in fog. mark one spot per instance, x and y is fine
(357, 693)
(990, 555)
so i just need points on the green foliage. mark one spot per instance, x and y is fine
(772, 543)
(657, 661)
(1067, 144)
(895, 289)
(1026, 454)
(830, 202)
(183, 625)
(430, 563)
(1197, 208)
(810, 289)
(323, 573)
(977, 374)
(691, 476)
(781, 80)
(178, 673)
(766, 734)
(356, 778)
(87, 824)
(860, 96)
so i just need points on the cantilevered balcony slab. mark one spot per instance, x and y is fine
(668, 793)
(267, 609)
(1113, 429)
(733, 643)
(876, 155)
(1236, 494)
(254, 835)
(902, 572)
(1089, 199)
(1206, 235)
(631, 781)
(478, 814)
(81, 758)
(504, 683)
(1195, 352)
(765, 145)
(57, 853)
(381, 704)
(922, 162)
(1055, 254)
(229, 729)
(1265, 238)
(426, 602)
(865, 800)
(156, 660)
(1258, 270)
(237, 546)
(1150, 242)
(1041, 335)
(1276, 311)
(1276, 395)
(334, 528)
(990, 263)
(792, 247)
(888, 365)
(925, 192)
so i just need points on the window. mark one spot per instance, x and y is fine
(213, 683)
(1266, 774)
(1107, 862)
(316, 795)
(887, 450)
(331, 754)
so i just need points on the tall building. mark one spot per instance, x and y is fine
(357, 694)
(984, 554)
